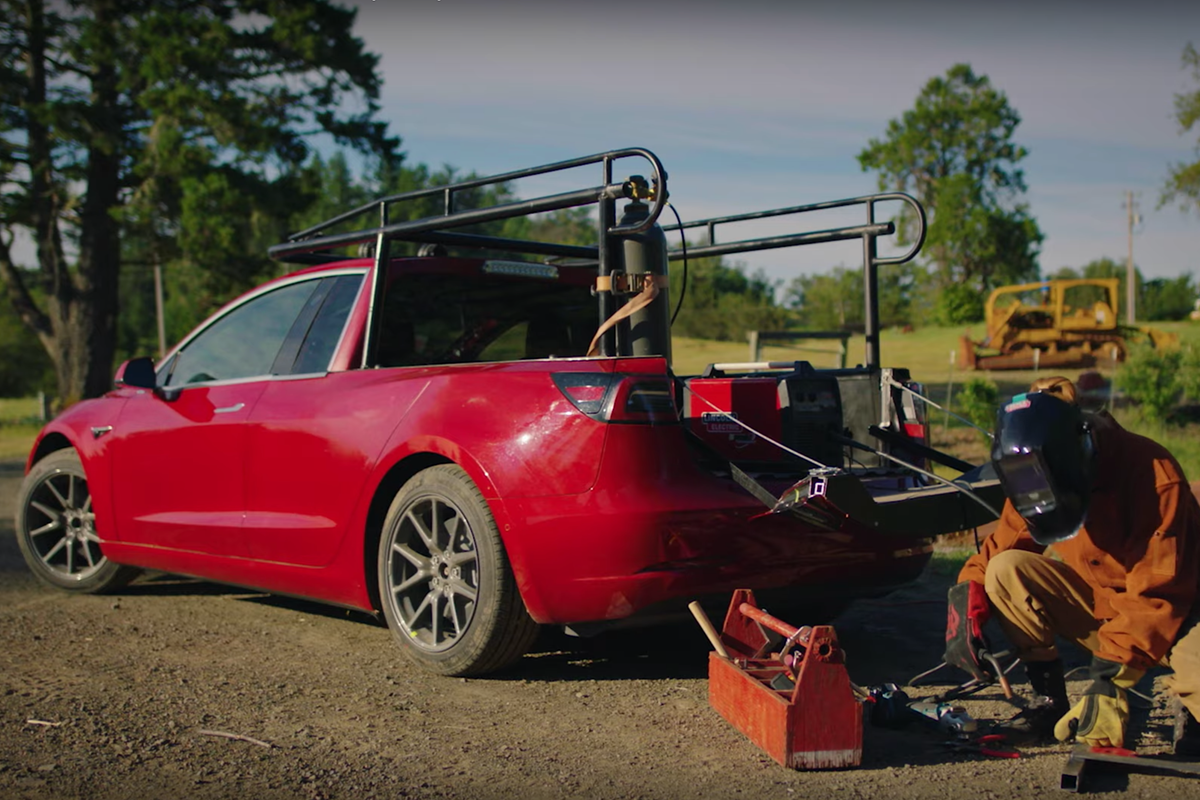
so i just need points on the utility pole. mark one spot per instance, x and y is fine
(1130, 273)
(158, 308)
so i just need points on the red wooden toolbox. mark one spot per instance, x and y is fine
(817, 724)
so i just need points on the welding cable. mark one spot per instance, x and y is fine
(893, 382)
(1073, 674)
(683, 248)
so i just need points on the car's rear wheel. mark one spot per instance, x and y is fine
(445, 583)
(56, 529)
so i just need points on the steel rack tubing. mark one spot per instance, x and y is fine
(869, 233)
(313, 239)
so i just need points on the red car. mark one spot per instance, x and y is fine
(427, 437)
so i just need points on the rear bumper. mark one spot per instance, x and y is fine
(597, 556)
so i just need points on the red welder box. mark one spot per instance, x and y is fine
(713, 403)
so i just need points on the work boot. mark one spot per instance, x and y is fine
(1186, 739)
(1035, 724)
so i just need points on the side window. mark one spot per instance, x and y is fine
(244, 342)
(326, 328)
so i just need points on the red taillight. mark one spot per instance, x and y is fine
(614, 397)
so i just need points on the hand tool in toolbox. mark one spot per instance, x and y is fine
(797, 704)
(1073, 773)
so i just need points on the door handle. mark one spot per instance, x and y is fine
(229, 409)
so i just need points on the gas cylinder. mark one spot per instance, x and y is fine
(646, 252)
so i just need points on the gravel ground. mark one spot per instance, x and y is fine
(111, 697)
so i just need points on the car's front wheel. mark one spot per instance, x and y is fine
(445, 583)
(56, 529)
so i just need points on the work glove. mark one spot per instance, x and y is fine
(1099, 718)
(967, 611)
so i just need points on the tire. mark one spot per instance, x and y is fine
(56, 529)
(445, 584)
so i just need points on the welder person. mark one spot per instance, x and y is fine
(1123, 530)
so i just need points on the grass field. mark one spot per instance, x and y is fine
(18, 425)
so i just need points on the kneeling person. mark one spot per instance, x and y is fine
(1124, 527)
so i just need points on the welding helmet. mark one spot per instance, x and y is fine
(1044, 455)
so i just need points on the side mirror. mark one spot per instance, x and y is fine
(137, 372)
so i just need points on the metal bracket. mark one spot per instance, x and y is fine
(1076, 766)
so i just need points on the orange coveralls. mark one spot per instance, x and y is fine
(1124, 586)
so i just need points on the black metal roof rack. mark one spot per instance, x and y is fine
(444, 228)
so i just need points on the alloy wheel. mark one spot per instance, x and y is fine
(61, 527)
(432, 573)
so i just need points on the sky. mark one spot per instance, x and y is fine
(758, 104)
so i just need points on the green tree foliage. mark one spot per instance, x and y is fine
(566, 226)
(958, 305)
(830, 301)
(723, 302)
(1183, 180)
(160, 132)
(954, 151)
(1167, 298)
(835, 300)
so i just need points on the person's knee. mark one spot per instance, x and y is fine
(1008, 570)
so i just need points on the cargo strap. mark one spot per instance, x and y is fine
(625, 283)
(619, 282)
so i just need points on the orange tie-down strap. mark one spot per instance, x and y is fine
(651, 283)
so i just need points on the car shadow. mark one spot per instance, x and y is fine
(167, 585)
(671, 651)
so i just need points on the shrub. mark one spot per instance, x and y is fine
(958, 305)
(978, 401)
(1157, 380)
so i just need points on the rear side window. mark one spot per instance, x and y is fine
(449, 318)
(326, 328)
(244, 342)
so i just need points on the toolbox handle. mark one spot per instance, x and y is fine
(707, 626)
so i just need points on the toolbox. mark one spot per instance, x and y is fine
(796, 704)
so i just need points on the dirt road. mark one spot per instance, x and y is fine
(126, 684)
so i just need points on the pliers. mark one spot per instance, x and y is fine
(990, 744)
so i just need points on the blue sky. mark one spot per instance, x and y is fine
(761, 103)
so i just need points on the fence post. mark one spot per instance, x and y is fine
(949, 393)
(754, 351)
(43, 407)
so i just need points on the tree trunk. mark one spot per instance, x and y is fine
(87, 326)
(77, 322)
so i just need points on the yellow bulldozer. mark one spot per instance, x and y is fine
(1057, 323)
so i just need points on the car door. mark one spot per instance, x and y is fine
(179, 452)
(313, 440)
